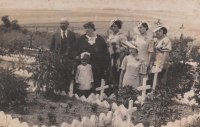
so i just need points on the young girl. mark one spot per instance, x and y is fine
(84, 76)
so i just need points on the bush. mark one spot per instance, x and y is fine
(12, 89)
(6, 21)
(126, 93)
(179, 78)
(54, 71)
(180, 49)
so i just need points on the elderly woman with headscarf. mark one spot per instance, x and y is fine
(97, 47)
(117, 49)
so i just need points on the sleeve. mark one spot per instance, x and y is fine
(166, 45)
(143, 68)
(122, 42)
(124, 63)
(134, 37)
(151, 46)
(77, 74)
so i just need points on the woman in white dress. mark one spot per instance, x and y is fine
(132, 68)
(142, 40)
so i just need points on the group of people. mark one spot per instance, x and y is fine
(119, 61)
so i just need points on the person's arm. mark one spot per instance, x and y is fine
(142, 71)
(164, 58)
(91, 74)
(77, 74)
(121, 77)
(166, 49)
(150, 52)
(123, 70)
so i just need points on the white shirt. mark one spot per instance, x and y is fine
(62, 33)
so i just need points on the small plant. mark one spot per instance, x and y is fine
(94, 107)
(52, 118)
(52, 107)
(12, 89)
(40, 118)
(126, 93)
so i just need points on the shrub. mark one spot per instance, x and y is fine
(54, 71)
(6, 21)
(179, 78)
(12, 89)
(126, 93)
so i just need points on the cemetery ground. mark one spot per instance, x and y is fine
(40, 108)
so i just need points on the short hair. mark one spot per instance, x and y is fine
(119, 24)
(90, 25)
(144, 24)
(164, 30)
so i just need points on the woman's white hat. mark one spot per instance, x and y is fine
(131, 44)
(113, 21)
(139, 24)
(159, 27)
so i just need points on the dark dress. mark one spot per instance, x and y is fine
(99, 56)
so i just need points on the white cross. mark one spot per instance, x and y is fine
(155, 71)
(131, 109)
(102, 88)
(143, 88)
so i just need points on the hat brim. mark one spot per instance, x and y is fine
(160, 28)
(113, 21)
(131, 45)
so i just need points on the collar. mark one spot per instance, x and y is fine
(61, 31)
(91, 40)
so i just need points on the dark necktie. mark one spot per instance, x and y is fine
(64, 36)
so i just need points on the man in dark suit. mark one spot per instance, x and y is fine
(63, 41)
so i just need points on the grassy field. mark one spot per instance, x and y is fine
(78, 17)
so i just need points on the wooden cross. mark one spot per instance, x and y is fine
(182, 28)
(158, 23)
(102, 88)
(131, 109)
(31, 40)
(143, 88)
(155, 71)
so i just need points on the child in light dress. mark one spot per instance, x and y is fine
(84, 76)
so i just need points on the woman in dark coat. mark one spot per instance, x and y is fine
(97, 47)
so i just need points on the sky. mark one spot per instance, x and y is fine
(189, 6)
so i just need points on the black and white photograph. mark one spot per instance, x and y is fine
(100, 63)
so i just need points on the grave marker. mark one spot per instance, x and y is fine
(143, 88)
(102, 88)
(155, 70)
